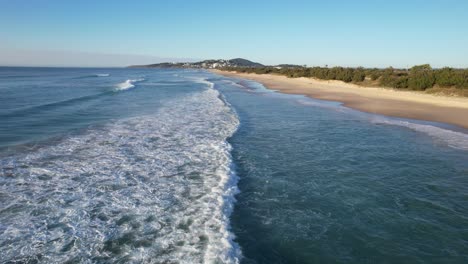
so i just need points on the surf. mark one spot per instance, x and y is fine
(128, 84)
(155, 187)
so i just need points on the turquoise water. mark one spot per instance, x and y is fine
(323, 184)
(183, 166)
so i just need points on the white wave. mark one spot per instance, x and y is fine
(151, 189)
(128, 84)
(102, 75)
(201, 80)
(451, 138)
(448, 137)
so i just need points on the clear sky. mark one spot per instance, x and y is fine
(376, 33)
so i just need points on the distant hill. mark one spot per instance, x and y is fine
(239, 62)
(206, 64)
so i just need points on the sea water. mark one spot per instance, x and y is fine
(185, 166)
(114, 166)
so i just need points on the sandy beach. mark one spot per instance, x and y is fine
(407, 104)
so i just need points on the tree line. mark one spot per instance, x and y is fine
(419, 78)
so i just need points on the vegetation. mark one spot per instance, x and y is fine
(418, 78)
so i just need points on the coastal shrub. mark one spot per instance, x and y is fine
(461, 79)
(372, 74)
(303, 72)
(449, 77)
(359, 75)
(421, 77)
(401, 82)
(320, 73)
(333, 73)
(345, 74)
(446, 77)
(421, 81)
(388, 79)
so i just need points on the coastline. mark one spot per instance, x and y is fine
(405, 104)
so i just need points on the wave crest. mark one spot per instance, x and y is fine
(453, 139)
(128, 84)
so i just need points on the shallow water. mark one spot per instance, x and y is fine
(321, 183)
(141, 166)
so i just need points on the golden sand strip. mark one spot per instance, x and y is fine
(407, 104)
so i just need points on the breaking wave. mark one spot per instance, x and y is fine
(152, 189)
(128, 84)
(453, 139)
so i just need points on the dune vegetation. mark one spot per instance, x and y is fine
(447, 81)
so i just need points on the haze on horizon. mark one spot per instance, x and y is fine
(347, 33)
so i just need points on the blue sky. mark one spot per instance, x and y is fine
(349, 33)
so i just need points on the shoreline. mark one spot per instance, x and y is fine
(384, 101)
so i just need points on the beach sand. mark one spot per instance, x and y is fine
(407, 104)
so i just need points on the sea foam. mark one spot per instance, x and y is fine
(156, 188)
(450, 138)
(128, 84)
(102, 75)
(453, 139)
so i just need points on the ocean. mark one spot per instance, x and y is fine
(185, 166)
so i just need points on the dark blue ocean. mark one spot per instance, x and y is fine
(185, 166)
